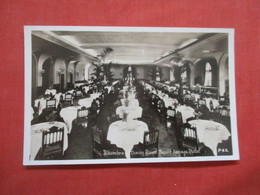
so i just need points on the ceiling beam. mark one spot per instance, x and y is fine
(53, 38)
(202, 38)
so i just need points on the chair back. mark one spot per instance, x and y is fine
(82, 116)
(147, 119)
(171, 112)
(222, 99)
(97, 140)
(201, 102)
(224, 111)
(98, 102)
(82, 113)
(50, 138)
(190, 138)
(68, 97)
(61, 98)
(78, 93)
(160, 104)
(151, 140)
(179, 121)
(51, 103)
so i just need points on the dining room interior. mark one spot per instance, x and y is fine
(129, 95)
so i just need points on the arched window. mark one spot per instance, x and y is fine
(208, 75)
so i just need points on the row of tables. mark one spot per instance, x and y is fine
(129, 132)
(68, 114)
(126, 134)
(209, 132)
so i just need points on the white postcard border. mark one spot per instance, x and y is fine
(27, 95)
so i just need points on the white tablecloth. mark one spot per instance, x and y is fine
(133, 112)
(71, 91)
(86, 88)
(50, 91)
(69, 114)
(148, 86)
(170, 102)
(125, 88)
(86, 102)
(214, 101)
(196, 96)
(95, 95)
(127, 134)
(57, 97)
(210, 133)
(42, 104)
(36, 136)
(132, 102)
(131, 96)
(186, 112)
(78, 84)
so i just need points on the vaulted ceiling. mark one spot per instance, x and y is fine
(136, 47)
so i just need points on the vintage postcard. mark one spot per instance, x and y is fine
(99, 95)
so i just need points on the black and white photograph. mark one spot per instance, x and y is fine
(101, 95)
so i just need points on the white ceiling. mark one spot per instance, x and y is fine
(138, 47)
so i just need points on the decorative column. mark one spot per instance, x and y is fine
(75, 71)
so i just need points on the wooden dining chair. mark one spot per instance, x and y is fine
(67, 99)
(178, 128)
(82, 116)
(201, 102)
(97, 141)
(160, 104)
(190, 138)
(52, 144)
(78, 93)
(49, 113)
(211, 106)
(98, 104)
(224, 116)
(222, 100)
(151, 143)
(171, 116)
(51, 103)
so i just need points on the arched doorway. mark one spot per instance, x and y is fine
(129, 72)
(204, 70)
(223, 75)
(47, 74)
(70, 76)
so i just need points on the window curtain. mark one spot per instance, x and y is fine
(208, 75)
